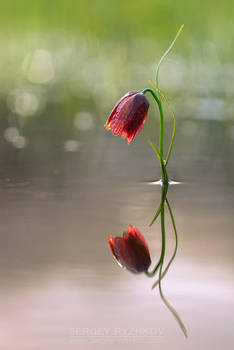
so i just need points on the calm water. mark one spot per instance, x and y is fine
(60, 287)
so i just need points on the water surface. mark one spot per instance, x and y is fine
(61, 288)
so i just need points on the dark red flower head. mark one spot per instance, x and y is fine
(129, 115)
(131, 250)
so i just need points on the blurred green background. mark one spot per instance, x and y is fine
(209, 20)
(64, 64)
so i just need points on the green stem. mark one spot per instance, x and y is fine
(160, 211)
(153, 272)
(176, 244)
(164, 180)
(170, 308)
(160, 155)
(159, 103)
(161, 161)
(174, 120)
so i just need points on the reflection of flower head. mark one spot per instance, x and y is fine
(131, 250)
(129, 115)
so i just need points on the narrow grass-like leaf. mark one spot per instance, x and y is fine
(173, 311)
(167, 52)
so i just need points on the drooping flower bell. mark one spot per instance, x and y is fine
(131, 250)
(128, 116)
